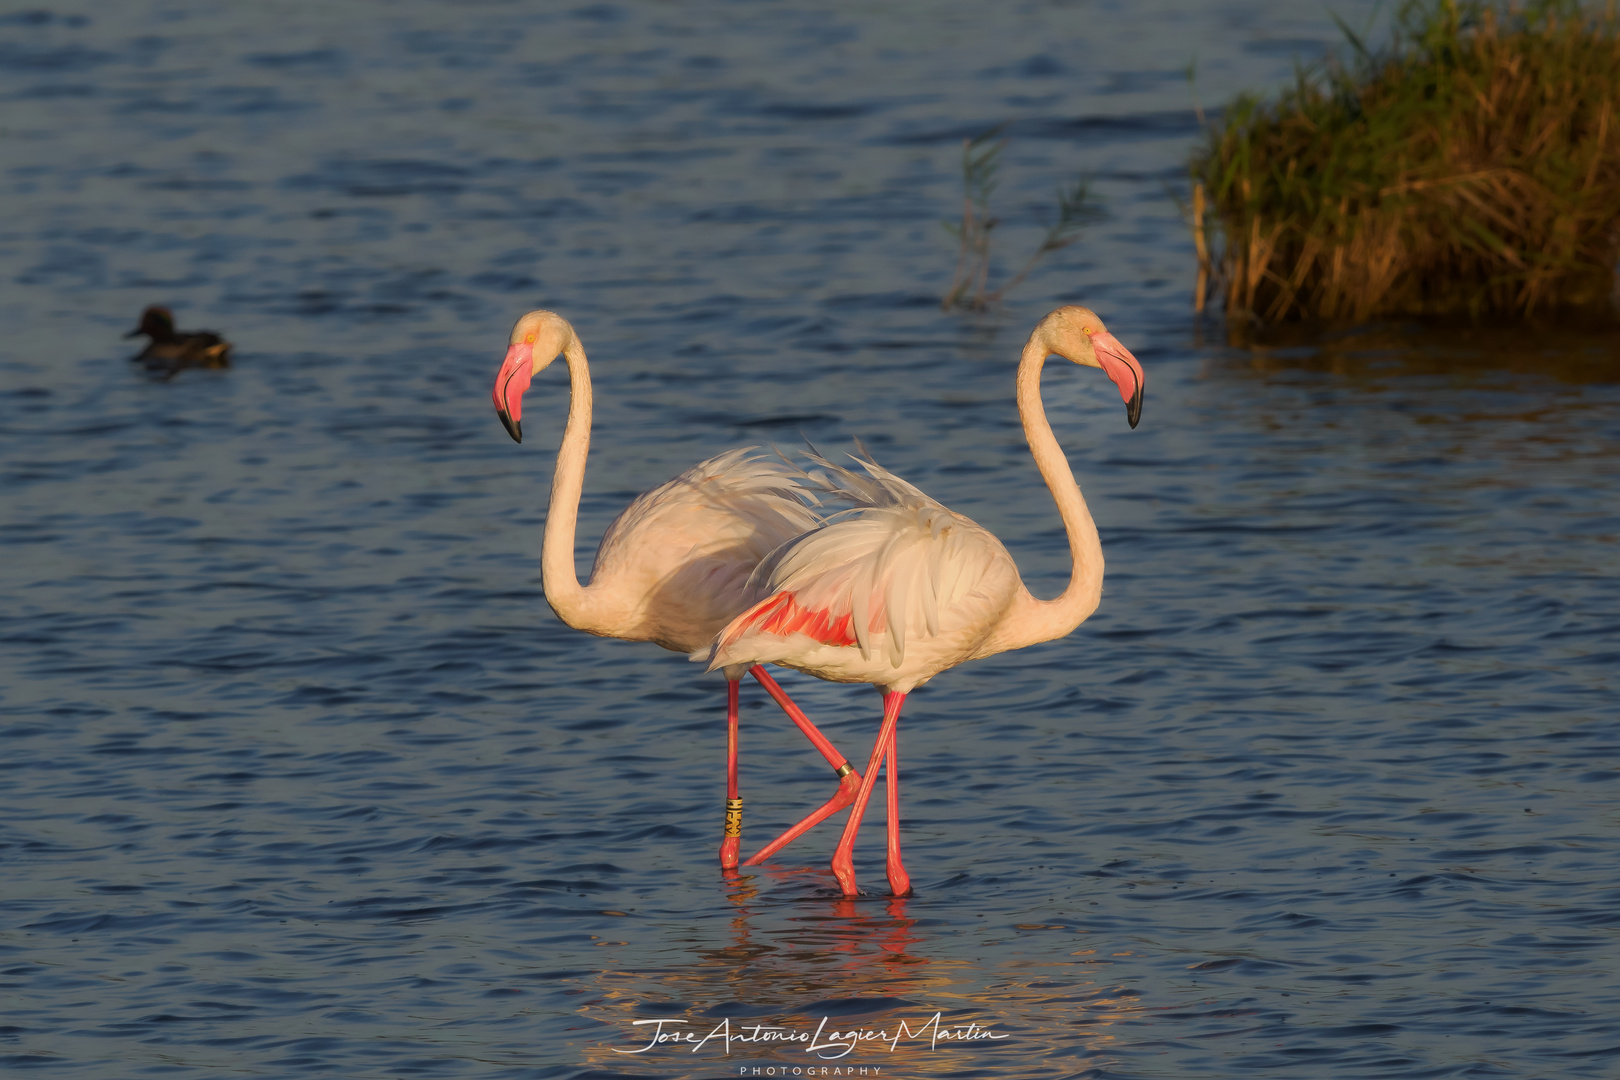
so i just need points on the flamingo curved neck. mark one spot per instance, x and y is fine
(1043, 620)
(558, 572)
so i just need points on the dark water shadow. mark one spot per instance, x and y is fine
(1578, 348)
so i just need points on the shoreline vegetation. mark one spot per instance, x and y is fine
(1471, 168)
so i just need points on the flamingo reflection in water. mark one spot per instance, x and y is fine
(860, 966)
(783, 970)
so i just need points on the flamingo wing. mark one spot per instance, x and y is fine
(879, 487)
(674, 567)
(736, 497)
(896, 568)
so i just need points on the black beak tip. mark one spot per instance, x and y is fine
(1133, 408)
(514, 428)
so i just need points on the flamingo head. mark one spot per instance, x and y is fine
(536, 340)
(1075, 333)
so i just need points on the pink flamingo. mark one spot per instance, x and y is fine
(900, 588)
(673, 568)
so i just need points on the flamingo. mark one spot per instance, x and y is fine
(673, 568)
(900, 588)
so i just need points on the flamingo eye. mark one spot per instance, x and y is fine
(1089, 330)
(529, 339)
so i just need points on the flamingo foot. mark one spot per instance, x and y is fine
(848, 788)
(843, 868)
(899, 880)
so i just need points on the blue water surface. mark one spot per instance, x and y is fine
(301, 777)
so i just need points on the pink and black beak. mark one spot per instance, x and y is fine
(516, 371)
(1124, 369)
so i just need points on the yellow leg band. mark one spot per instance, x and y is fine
(733, 817)
(844, 770)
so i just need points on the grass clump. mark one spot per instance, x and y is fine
(1471, 168)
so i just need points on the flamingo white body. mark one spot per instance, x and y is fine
(891, 593)
(901, 588)
(674, 567)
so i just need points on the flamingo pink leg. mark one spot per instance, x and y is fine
(899, 880)
(732, 839)
(843, 861)
(842, 798)
(848, 783)
(796, 714)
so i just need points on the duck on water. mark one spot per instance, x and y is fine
(171, 350)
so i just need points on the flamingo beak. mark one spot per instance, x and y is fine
(1126, 371)
(516, 371)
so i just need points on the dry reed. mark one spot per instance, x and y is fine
(981, 163)
(1472, 168)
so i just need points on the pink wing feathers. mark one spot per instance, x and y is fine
(895, 568)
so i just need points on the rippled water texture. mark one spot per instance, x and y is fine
(301, 777)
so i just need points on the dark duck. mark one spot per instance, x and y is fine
(172, 350)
